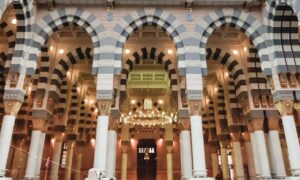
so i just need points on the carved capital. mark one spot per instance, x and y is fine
(246, 136)
(235, 136)
(113, 124)
(12, 107)
(38, 124)
(195, 107)
(285, 107)
(273, 123)
(104, 107)
(185, 123)
(257, 124)
(224, 144)
(297, 107)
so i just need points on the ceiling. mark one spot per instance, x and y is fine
(148, 2)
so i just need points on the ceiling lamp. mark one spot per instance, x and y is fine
(61, 51)
(235, 52)
(14, 21)
(127, 51)
(170, 51)
(245, 49)
(51, 48)
(160, 101)
(133, 101)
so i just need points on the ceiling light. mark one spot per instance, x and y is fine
(170, 51)
(160, 101)
(61, 51)
(235, 52)
(14, 21)
(91, 101)
(68, 73)
(133, 101)
(51, 48)
(127, 51)
(245, 49)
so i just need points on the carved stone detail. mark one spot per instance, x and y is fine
(38, 124)
(14, 78)
(195, 107)
(104, 107)
(12, 107)
(257, 124)
(283, 80)
(273, 123)
(185, 123)
(285, 107)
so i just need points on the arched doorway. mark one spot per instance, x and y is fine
(146, 159)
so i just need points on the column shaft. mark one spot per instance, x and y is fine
(33, 154)
(276, 154)
(255, 154)
(111, 153)
(199, 166)
(169, 166)
(186, 156)
(55, 160)
(263, 154)
(224, 164)
(238, 160)
(40, 155)
(101, 144)
(215, 164)
(292, 141)
(124, 166)
(5, 140)
(78, 165)
(250, 160)
(69, 160)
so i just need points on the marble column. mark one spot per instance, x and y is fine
(237, 155)
(224, 161)
(33, 155)
(277, 162)
(111, 153)
(124, 162)
(199, 166)
(169, 163)
(101, 144)
(78, 163)
(255, 154)
(69, 160)
(185, 154)
(286, 110)
(55, 164)
(7, 127)
(250, 156)
(214, 162)
(40, 155)
(259, 134)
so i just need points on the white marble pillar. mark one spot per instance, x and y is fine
(55, 159)
(276, 154)
(250, 160)
(292, 141)
(186, 156)
(199, 166)
(5, 140)
(262, 154)
(40, 155)
(255, 154)
(101, 144)
(32, 160)
(111, 153)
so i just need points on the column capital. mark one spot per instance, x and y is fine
(113, 124)
(246, 136)
(224, 144)
(297, 107)
(104, 107)
(185, 123)
(273, 123)
(12, 107)
(195, 107)
(169, 149)
(235, 136)
(285, 107)
(38, 124)
(257, 124)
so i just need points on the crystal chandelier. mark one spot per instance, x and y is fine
(148, 115)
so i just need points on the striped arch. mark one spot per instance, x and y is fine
(141, 17)
(11, 44)
(233, 67)
(282, 22)
(59, 19)
(24, 15)
(159, 57)
(63, 65)
(240, 20)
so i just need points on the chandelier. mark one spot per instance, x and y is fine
(148, 115)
